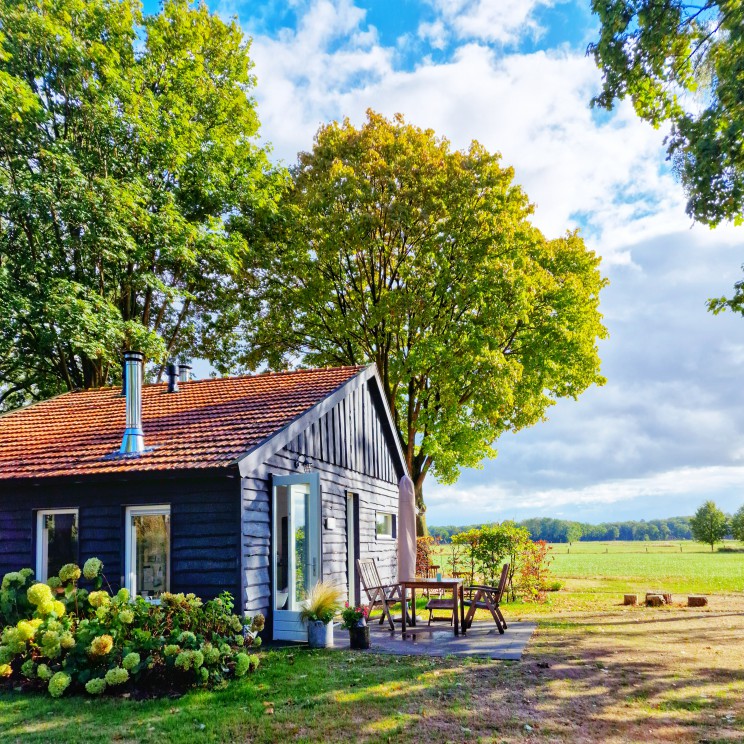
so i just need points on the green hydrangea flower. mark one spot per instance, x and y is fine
(54, 582)
(26, 630)
(258, 622)
(6, 655)
(5, 670)
(122, 595)
(242, 664)
(69, 572)
(116, 676)
(126, 616)
(27, 573)
(238, 639)
(99, 599)
(130, 661)
(92, 568)
(235, 624)
(46, 607)
(28, 669)
(257, 642)
(14, 577)
(101, 645)
(67, 641)
(43, 672)
(59, 683)
(171, 649)
(203, 675)
(14, 641)
(187, 638)
(39, 593)
(95, 686)
(211, 654)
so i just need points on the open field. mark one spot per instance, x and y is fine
(594, 671)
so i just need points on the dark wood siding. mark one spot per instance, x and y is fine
(205, 552)
(350, 448)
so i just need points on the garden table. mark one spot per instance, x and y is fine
(455, 585)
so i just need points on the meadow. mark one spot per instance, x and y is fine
(595, 670)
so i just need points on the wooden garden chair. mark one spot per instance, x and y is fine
(488, 598)
(385, 595)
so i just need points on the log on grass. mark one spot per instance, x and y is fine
(654, 600)
(630, 599)
(697, 600)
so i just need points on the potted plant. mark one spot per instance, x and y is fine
(355, 621)
(318, 608)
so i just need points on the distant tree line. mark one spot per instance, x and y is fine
(565, 531)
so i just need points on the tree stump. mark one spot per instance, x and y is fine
(654, 600)
(697, 600)
(630, 599)
(665, 596)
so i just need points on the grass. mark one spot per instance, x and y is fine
(594, 671)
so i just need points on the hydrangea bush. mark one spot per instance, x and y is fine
(60, 637)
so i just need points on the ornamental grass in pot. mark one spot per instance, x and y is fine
(320, 605)
(355, 621)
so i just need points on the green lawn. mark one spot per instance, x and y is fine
(594, 671)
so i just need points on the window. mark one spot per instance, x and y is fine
(56, 541)
(147, 557)
(385, 525)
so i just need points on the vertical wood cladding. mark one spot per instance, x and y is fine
(351, 450)
(205, 538)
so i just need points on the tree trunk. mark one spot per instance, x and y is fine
(421, 530)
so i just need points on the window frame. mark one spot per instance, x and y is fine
(42, 546)
(130, 565)
(392, 534)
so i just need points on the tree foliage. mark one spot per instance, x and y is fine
(737, 524)
(709, 525)
(396, 249)
(681, 63)
(126, 143)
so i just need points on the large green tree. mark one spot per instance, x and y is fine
(393, 248)
(709, 525)
(683, 63)
(126, 145)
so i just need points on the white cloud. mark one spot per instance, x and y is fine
(489, 502)
(670, 416)
(500, 21)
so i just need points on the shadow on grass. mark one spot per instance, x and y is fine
(572, 686)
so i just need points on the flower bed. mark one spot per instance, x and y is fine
(62, 638)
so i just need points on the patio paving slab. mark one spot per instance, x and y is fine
(482, 639)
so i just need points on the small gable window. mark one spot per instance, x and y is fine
(56, 541)
(385, 525)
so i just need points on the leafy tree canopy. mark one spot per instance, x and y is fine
(127, 143)
(682, 62)
(394, 248)
(737, 524)
(709, 525)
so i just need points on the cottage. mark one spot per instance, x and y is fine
(258, 485)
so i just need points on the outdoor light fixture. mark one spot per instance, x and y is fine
(303, 463)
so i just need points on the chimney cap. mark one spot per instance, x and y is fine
(134, 356)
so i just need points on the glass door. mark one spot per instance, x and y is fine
(296, 552)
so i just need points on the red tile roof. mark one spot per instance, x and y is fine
(208, 423)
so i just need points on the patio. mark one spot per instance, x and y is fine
(482, 639)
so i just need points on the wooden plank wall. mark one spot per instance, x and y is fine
(205, 553)
(348, 448)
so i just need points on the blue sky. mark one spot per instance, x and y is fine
(667, 431)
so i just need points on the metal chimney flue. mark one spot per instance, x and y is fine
(184, 372)
(133, 441)
(172, 378)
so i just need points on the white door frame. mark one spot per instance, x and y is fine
(287, 625)
(130, 548)
(351, 555)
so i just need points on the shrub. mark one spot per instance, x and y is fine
(98, 641)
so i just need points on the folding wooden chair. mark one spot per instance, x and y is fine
(377, 592)
(488, 598)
